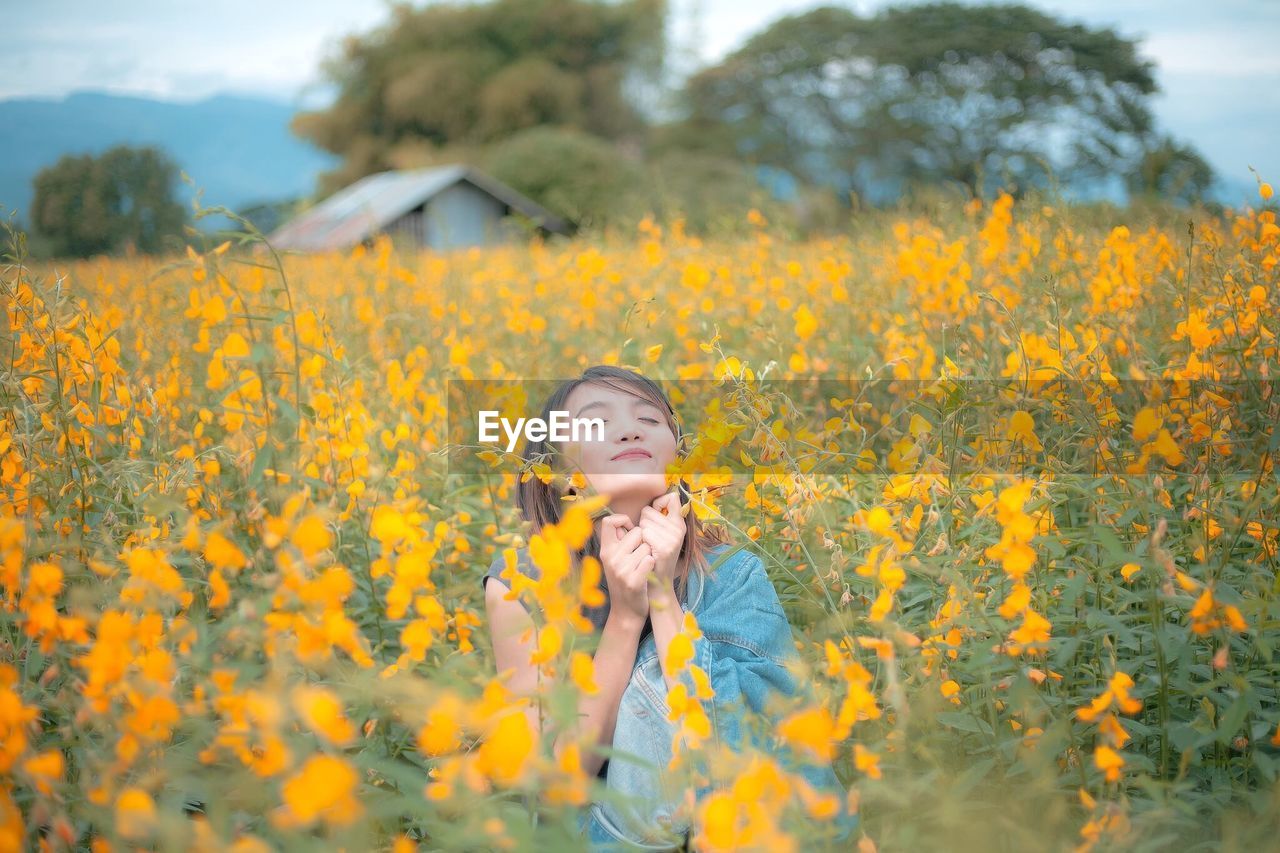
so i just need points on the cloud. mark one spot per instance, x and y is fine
(1223, 53)
(1217, 60)
(178, 49)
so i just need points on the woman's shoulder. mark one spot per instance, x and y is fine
(735, 566)
(731, 555)
(524, 563)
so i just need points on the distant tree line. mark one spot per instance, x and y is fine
(560, 99)
(979, 97)
(121, 200)
(982, 97)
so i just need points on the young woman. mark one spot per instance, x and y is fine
(653, 556)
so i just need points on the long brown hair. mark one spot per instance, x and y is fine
(541, 502)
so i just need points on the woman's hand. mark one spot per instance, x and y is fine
(664, 533)
(627, 562)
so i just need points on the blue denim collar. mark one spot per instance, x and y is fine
(696, 586)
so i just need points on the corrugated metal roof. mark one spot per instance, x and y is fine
(373, 202)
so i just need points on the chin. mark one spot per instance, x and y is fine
(647, 485)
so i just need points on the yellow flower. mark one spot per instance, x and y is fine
(152, 718)
(323, 789)
(1118, 692)
(1208, 615)
(135, 814)
(687, 710)
(45, 769)
(1109, 761)
(12, 830)
(813, 730)
(1168, 448)
(550, 641)
(1032, 635)
(1145, 423)
(806, 323)
(235, 346)
(221, 553)
(718, 821)
(416, 637)
(322, 712)
(505, 755)
(1023, 428)
(443, 730)
(679, 653)
(311, 536)
(881, 606)
(388, 526)
(582, 671)
(573, 789)
(866, 761)
(219, 592)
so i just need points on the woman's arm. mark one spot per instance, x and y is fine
(667, 618)
(615, 656)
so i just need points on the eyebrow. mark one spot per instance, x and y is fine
(601, 404)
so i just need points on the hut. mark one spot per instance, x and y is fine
(445, 207)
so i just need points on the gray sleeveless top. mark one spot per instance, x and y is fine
(597, 615)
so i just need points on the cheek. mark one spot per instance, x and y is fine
(595, 456)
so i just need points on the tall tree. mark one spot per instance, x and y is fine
(1170, 170)
(461, 76)
(940, 92)
(85, 205)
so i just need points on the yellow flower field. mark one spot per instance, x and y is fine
(1030, 561)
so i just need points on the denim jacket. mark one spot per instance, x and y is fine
(746, 641)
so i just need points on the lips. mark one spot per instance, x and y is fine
(632, 454)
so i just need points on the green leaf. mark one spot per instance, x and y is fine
(287, 411)
(1114, 548)
(1233, 718)
(964, 722)
(1266, 765)
(972, 776)
(260, 464)
(1184, 736)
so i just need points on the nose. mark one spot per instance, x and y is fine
(630, 431)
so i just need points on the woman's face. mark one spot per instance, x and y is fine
(630, 463)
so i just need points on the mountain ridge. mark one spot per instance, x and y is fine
(237, 148)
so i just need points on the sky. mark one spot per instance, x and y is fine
(1218, 60)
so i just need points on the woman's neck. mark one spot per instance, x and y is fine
(630, 507)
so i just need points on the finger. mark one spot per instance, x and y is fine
(631, 538)
(659, 544)
(667, 504)
(653, 519)
(650, 514)
(663, 536)
(617, 519)
(636, 558)
(639, 568)
(615, 524)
